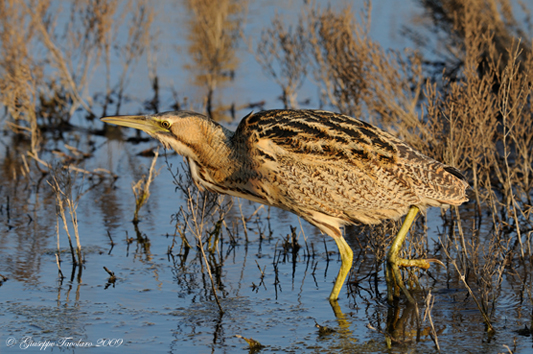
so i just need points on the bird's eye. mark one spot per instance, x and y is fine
(165, 124)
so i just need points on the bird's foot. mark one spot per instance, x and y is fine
(394, 279)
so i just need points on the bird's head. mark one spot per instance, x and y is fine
(182, 131)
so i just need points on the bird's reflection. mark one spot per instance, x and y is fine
(403, 324)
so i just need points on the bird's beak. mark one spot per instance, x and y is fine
(144, 123)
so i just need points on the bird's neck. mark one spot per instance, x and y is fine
(214, 154)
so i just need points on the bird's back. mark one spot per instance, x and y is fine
(333, 169)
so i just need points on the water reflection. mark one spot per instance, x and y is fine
(24, 206)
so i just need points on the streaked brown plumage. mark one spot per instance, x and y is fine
(328, 168)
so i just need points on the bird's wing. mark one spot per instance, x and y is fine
(316, 135)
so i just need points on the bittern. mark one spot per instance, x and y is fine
(328, 168)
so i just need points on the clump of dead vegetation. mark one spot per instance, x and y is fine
(282, 54)
(214, 30)
(202, 218)
(47, 65)
(67, 199)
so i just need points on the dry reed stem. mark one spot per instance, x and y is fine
(101, 172)
(243, 219)
(444, 19)
(141, 189)
(72, 206)
(357, 76)
(21, 72)
(508, 108)
(61, 199)
(198, 230)
(213, 287)
(430, 301)
(58, 253)
(305, 238)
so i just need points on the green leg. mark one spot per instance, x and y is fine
(347, 258)
(393, 274)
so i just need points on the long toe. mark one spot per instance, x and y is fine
(394, 276)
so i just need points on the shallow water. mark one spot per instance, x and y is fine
(165, 302)
(162, 300)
